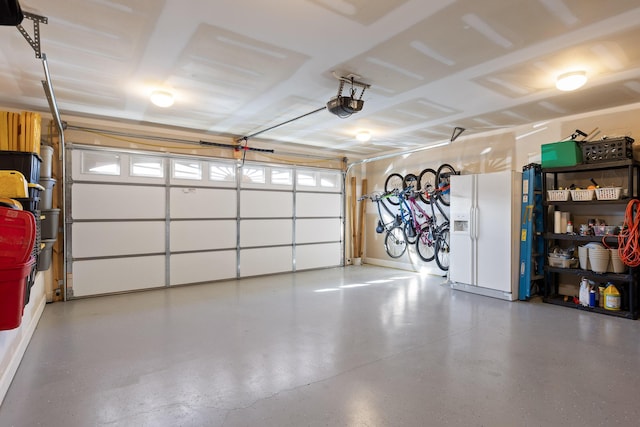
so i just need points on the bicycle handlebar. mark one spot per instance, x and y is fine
(376, 197)
(408, 191)
(431, 191)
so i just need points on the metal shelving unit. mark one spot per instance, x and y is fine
(627, 283)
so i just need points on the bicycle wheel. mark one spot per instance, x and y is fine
(393, 182)
(426, 180)
(443, 176)
(395, 242)
(443, 249)
(425, 246)
(410, 180)
(410, 232)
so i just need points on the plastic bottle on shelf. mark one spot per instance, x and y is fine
(583, 295)
(569, 227)
(601, 296)
(611, 298)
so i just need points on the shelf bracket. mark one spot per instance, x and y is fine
(34, 41)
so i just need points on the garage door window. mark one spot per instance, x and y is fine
(222, 172)
(281, 176)
(152, 167)
(253, 175)
(306, 179)
(187, 169)
(329, 180)
(100, 163)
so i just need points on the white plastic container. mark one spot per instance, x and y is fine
(46, 152)
(599, 259)
(583, 256)
(617, 265)
(583, 296)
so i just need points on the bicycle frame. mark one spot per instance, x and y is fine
(379, 200)
(395, 241)
(432, 241)
(418, 212)
(406, 214)
(381, 220)
(433, 196)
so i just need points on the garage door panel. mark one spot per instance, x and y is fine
(318, 230)
(318, 256)
(202, 235)
(266, 204)
(318, 205)
(96, 239)
(202, 203)
(104, 276)
(202, 267)
(99, 201)
(126, 207)
(266, 232)
(255, 262)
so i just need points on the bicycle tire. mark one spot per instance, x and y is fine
(443, 250)
(393, 182)
(426, 178)
(410, 232)
(443, 176)
(410, 179)
(425, 246)
(395, 242)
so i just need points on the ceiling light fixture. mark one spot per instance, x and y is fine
(363, 136)
(571, 81)
(161, 98)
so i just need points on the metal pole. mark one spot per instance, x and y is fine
(283, 123)
(53, 106)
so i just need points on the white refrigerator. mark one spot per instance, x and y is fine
(485, 226)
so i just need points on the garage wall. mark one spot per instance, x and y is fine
(142, 220)
(477, 151)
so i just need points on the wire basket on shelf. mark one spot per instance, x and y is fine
(557, 195)
(608, 193)
(582, 195)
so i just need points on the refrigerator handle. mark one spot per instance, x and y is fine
(476, 213)
(472, 223)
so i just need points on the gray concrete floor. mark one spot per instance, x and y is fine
(354, 346)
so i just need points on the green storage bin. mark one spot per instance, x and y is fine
(560, 154)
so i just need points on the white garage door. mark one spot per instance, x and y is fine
(141, 220)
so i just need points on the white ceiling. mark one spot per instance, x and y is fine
(239, 67)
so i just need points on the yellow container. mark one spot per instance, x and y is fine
(7, 202)
(611, 298)
(13, 184)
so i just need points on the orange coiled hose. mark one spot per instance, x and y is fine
(629, 237)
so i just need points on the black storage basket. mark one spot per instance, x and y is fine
(30, 204)
(28, 164)
(607, 150)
